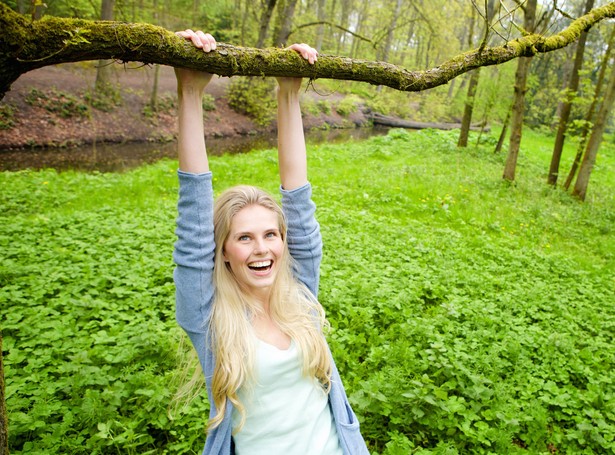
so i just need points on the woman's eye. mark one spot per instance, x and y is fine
(271, 235)
(243, 238)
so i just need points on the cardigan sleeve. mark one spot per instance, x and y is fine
(303, 235)
(194, 258)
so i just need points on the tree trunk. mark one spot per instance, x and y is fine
(498, 147)
(602, 118)
(518, 110)
(103, 73)
(389, 39)
(4, 424)
(265, 20)
(321, 14)
(468, 109)
(573, 87)
(590, 112)
(285, 21)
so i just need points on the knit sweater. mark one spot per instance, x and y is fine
(194, 259)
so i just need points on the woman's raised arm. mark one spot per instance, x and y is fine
(190, 86)
(291, 141)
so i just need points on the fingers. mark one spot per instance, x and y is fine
(200, 39)
(306, 51)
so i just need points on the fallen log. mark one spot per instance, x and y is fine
(394, 122)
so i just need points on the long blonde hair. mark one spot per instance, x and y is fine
(292, 306)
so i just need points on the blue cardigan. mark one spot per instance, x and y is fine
(194, 259)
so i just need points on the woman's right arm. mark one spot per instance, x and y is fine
(194, 249)
(190, 87)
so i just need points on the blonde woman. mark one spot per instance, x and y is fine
(246, 283)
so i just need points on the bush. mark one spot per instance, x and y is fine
(253, 97)
(6, 116)
(104, 99)
(348, 105)
(63, 104)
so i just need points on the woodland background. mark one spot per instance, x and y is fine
(471, 313)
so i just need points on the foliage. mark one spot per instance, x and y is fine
(348, 105)
(253, 96)
(63, 104)
(106, 98)
(7, 113)
(468, 315)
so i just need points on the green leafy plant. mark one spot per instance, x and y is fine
(467, 316)
(6, 116)
(252, 96)
(348, 105)
(104, 99)
(63, 104)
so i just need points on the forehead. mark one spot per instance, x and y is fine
(254, 218)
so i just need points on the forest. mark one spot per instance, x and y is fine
(469, 284)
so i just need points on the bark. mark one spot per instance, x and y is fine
(468, 109)
(498, 147)
(321, 15)
(590, 112)
(103, 74)
(573, 87)
(285, 21)
(389, 38)
(589, 159)
(26, 45)
(516, 125)
(265, 19)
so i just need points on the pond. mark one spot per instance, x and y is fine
(122, 157)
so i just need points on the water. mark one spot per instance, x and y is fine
(122, 157)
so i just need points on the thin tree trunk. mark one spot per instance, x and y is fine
(389, 39)
(516, 126)
(573, 87)
(587, 165)
(4, 424)
(285, 22)
(590, 112)
(468, 109)
(498, 147)
(321, 14)
(103, 73)
(265, 20)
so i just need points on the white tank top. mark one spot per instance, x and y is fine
(286, 413)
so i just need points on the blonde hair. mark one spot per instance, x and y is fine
(292, 307)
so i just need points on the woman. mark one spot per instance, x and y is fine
(246, 281)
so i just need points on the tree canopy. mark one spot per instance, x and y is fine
(26, 45)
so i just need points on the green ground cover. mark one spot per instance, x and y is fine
(468, 315)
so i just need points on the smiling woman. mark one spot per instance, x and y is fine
(246, 285)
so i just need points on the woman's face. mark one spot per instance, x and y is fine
(254, 248)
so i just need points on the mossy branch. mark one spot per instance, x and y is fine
(27, 45)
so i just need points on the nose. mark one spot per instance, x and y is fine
(260, 246)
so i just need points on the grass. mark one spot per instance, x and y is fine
(468, 315)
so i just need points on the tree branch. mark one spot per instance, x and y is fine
(26, 45)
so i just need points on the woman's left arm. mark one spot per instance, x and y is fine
(292, 157)
(303, 235)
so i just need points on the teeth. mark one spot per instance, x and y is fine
(260, 264)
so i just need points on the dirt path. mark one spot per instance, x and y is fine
(36, 127)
